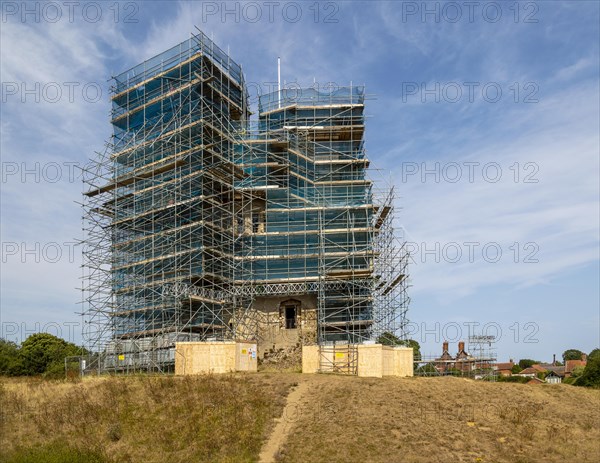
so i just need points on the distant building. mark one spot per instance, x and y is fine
(462, 362)
(530, 372)
(554, 377)
(505, 369)
(553, 374)
(445, 361)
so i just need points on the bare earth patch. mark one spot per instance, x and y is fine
(285, 423)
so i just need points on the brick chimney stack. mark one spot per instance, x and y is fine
(554, 359)
(445, 347)
(461, 346)
(584, 357)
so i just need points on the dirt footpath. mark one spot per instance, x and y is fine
(331, 418)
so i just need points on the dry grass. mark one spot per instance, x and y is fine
(337, 419)
(140, 419)
(443, 420)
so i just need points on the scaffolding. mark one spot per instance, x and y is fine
(477, 361)
(193, 210)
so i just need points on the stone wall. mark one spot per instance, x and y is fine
(266, 323)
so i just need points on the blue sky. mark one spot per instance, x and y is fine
(485, 117)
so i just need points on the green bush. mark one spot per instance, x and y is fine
(590, 377)
(513, 379)
(40, 354)
(577, 371)
(594, 353)
(526, 363)
(11, 363)
(572, 354)
(42, 351)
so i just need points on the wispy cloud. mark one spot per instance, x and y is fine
(559, 213)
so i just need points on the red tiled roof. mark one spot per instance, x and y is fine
(535, 381)
(539, 367)
(529, 371)
(505, 366)
(556, 369)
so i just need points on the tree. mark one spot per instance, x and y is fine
(389, 339)
(516, 369)
(577, 371)
(572, 354)
(43, 352)
(591, 373)
(526, 363)
(10, 359)
(594, 353)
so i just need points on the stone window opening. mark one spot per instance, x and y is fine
(289, 312)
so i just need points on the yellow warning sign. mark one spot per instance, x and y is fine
(244, 351)
(339, 355)
(121, 357)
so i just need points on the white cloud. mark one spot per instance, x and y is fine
(559, 213)
(370, 43)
